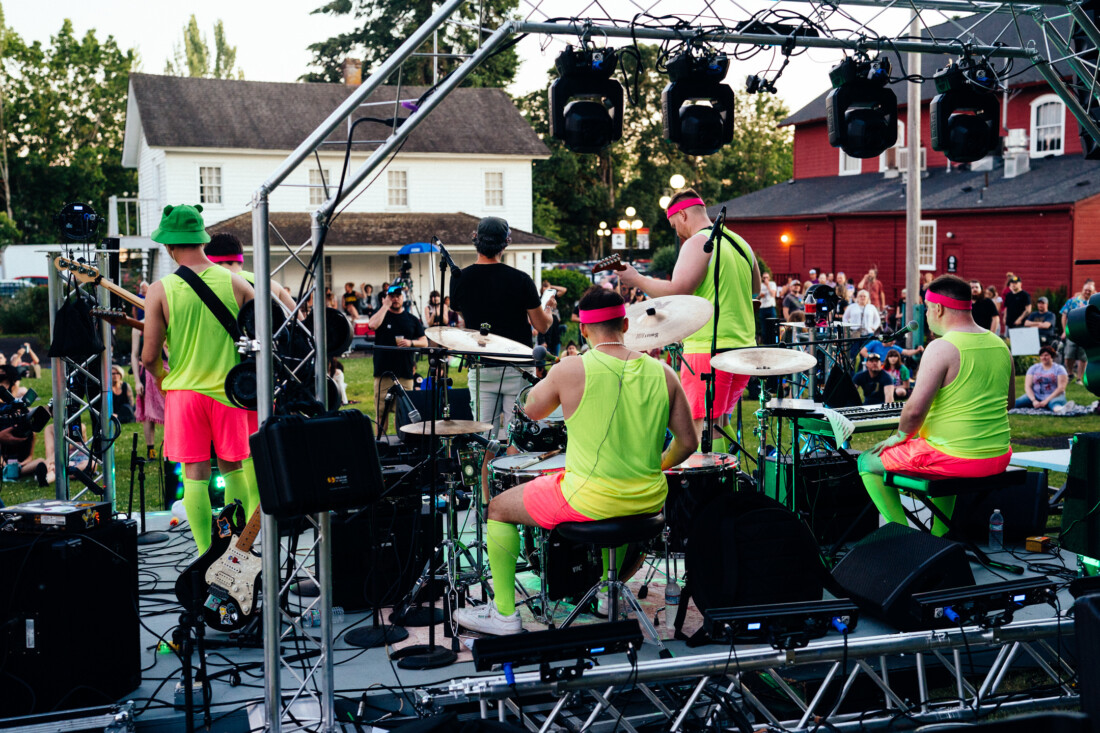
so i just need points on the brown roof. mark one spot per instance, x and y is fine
(387, 230)
(220, 113)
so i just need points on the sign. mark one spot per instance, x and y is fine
(952, 263)
(618, 239)
(643, 239)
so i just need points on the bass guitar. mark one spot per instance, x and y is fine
(88, 274)
(230, 573)
(117, 317)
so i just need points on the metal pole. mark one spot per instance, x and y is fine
(57, 376)
(912, 188)
(106, 396)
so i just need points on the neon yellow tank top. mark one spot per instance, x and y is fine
(200, 352)
(736, 322)
(969, 417)
(249, 276)
(616, 435)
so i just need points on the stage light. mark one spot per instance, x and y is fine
(696, 105)
(586, 104)
(862, 114)
(966, 114)
(676, 181)
(785, 238)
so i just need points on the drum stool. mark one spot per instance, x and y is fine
(609, 534)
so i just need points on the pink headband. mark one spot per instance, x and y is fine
(962, 305)
(681, 205)
(597, 315)
(226, 258)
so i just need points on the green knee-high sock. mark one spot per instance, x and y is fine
(945, 504)
(886, 499)
(251, 497)
(196, 501)
(503, 546)
(236, 489)
(620, 557)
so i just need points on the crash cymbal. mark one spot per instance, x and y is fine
(763, 362)
(444, 428)
(662, 321)
(470, 342)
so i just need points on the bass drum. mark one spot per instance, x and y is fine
(536, 436)
(692, 484)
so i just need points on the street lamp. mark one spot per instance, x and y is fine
(664, 201)
(602, 232)
(676, 181)
(631, 227)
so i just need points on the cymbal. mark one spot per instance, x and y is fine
(445, 428)
(763, 362)
(793, 324)
(673, 318)
(468, 341)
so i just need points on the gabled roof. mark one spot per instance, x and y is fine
(1051, 181)
(984, 32)
(385, 230)
(187, 112)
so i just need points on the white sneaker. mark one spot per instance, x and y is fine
(487, 619)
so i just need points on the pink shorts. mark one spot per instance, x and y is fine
(193, 421)
(543, 500)
(917, 456)
(727, 387)
(253, 421)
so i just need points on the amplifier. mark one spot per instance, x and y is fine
(53, 515)
(830, 495)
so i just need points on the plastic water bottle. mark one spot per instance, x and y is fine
(337, 614)
(672, 593)
(996, 531)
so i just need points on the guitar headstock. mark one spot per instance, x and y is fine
(82, 272)
(612, 263)
(112, 315)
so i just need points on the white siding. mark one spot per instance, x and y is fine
(151, 192)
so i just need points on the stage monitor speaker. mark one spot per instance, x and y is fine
(1080, 518)
(830, 495)
(1086, 614)
(1025, 508)
(883, 571)
(69, 634)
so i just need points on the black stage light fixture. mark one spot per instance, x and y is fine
(862, 114)
(992, 604)
(966, 114)
(696, 105)
(556, 645)
(586, 104)
(783, 625)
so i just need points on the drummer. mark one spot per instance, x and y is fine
(617, 404)
(739, 274)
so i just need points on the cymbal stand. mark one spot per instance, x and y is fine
(761, 432)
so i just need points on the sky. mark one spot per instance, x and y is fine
(271, 36)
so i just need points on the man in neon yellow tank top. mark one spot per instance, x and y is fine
(955, 423)
(200, 355)
(739, 281)
(617, 404)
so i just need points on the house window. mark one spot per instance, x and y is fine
(394, 269)
(210, 184)
(494, 188)
(850, 166)
(1048, 126)
(318, 179)
(926, 246)
(397, 191)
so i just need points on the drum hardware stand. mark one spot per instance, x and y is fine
(137, 466)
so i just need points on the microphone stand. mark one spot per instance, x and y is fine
(137, 465)
(710, 376)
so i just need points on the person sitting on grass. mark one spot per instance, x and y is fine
(1045, 384)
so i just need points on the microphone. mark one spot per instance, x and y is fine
(539, 353)
(714, 230)
(909, 328)
(455, 271)
(403, 396)
(493, 446)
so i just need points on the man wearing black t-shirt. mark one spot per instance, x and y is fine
(984, 310)
(490, 294)
(1017, 304)
(393, 326)
(873, 381)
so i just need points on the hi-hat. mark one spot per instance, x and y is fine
(470, 342)
(665, 320)
(763, 362)
(447, 427)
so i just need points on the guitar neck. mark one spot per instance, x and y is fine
(248, 535)
(123, 293)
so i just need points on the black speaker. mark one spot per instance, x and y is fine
(54, 655)
(1086, 629)
(882, 572)
(830, 495)
(1080, 519)
(1025, 508)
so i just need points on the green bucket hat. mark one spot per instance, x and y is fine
(181, 225)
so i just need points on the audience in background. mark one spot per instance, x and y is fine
(1074, 356)
(1045, 384)
(1043, 320)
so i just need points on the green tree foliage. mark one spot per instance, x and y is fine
(383, 25)
(192, 56)
(664, 260)
(575, 284)
(27, 313)
(64, 116)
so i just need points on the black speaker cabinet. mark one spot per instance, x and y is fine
(1086, 613)
(1025, 508)
(882, 571)
(830, 495)
(69, 634)
(1080, 520)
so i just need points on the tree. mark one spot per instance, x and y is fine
(192, 57)
(386, 24)
(5, 172)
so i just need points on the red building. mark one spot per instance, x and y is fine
(1032, 208)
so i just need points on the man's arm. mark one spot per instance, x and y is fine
(284, 296)
(937, 361)
(684, 439)
(995, 325)
(545, 397)
(242, 290)
(156, 322)
(691, 268)
(755, 274)
(380, 315)
(540, 317)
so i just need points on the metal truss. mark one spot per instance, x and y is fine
(718, 690)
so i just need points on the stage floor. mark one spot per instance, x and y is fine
(359, 671)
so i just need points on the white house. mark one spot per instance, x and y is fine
(214, 141)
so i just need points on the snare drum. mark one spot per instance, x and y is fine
(509, 471)
(691, 485)
(536, 436)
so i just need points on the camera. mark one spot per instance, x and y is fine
(17, 413)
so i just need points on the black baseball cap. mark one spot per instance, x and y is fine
(493, 230)
(395, 289)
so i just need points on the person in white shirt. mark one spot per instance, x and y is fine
(767, 295)
(863, 314)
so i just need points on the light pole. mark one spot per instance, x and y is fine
(631, 225)
(602, 232)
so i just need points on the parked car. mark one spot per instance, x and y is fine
(10, 288)
(36, 280)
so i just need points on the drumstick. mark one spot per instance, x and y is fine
(539, 458)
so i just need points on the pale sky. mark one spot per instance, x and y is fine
(271, 36)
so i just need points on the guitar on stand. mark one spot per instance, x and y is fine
(87, 274)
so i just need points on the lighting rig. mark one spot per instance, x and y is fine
(966, 115)
(586, 104)
(862, 114)
(696, 106)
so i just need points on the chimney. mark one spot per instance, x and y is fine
(353, 72)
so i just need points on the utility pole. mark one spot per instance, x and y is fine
(912, 188)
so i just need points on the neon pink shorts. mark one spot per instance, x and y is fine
(193, 421)
(727, 387)
(917, 456)
(253, 421)
(543, 500)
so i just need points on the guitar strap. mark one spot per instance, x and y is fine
(211, 301)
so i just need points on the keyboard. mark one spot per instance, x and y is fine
(867, 419)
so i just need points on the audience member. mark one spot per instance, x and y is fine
(873, 381)
(874, 288)
(367, 303)
(792, 301)
(1074, 356)
(25, 356)
(880, 348)
(897, 372)
(1044, 320)
(984, 309)
(845, 290)
(571, 349)
(351, 300)
(123, 399)
(1045, 384)
(863, 314)
(767, 295)
(336, 371)
(1017, 303)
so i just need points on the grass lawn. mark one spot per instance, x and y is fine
(359, 375)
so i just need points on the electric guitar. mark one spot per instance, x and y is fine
(612, 263)
(117, 317)
(88, 274)
(230, 572)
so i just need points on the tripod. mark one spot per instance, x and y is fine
(137, 466)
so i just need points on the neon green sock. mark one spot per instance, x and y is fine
(503, 546)
(886, 499)
(253, 487)
(945, 504)
(196, 501)
(243, 486)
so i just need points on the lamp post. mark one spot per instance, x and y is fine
(602, 232)
(632, 226)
